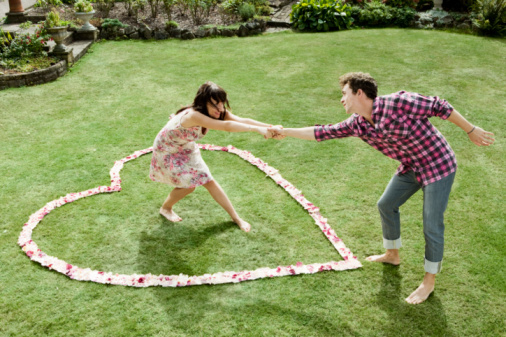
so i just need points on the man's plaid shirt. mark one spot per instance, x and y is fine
(402, 131)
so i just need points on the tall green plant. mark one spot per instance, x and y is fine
(321, 15)
(491, 19)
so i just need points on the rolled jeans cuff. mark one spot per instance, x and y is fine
(392, 244)
(433, 267)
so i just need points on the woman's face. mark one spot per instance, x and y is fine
(215, 108)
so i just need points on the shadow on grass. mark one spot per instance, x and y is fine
(426, 319)
(162, 250)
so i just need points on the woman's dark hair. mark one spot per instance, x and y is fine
(208, 92)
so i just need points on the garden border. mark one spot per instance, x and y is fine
(34, 77)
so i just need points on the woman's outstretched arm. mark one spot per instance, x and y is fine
(194, 118)
(231, 117)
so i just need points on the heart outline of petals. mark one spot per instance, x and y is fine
(86, 274)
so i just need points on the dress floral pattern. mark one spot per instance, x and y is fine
(176, 156)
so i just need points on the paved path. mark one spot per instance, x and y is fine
(4, 6)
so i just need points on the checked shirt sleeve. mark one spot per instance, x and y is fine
(418, 106)
(332, 131)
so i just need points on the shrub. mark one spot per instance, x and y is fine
(171, 24)
(23, 45)
(491, 18)
(198, 10)
(377, 14)
(401, 3)
(167, 6)
(231, 7)
(246, 11)
(113, 23)
(321, 15)
(83, 6)
(104, 6)
(133, 7)
(47, 3)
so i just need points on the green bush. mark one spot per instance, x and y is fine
(320, 15)
(47, 3)
(171, 24)
(113, 23)
(246, 11)
(232, 7)
(491, 17)
(23, 45)
(400, 3)
(377, 14)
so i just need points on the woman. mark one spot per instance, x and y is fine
(176, 157)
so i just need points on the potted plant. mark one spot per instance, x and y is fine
(58, 30)
(84, 11)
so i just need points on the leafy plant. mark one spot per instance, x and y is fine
(104, 6)
(168, 6)
(491, 19)
(23, 45)
(198, 10)
(321, 15)
(113, 23)
(375, 14)
(53, 20)
(401, 3)
(83, 6)
(171, 24)
(47, 3)
(153, 5)
(133, 7)
(25, 25)
(246, 11)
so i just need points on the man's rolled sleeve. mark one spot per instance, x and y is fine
(332, 131)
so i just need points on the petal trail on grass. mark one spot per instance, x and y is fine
(86, 274)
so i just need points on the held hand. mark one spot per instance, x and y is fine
(481, 137)
(277, 133)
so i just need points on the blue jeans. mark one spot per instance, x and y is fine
(435, 200)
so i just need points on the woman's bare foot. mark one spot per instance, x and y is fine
(424, 290)
(391, 257)
(243, 225)
(170, 215)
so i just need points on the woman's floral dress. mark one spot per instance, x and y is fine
(176, 157)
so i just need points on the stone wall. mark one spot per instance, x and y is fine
(145, 32)
(34, 77)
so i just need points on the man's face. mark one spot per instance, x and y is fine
(349, 99)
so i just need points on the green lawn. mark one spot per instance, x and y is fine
(64, 137)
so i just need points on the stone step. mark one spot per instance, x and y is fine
(281, 18)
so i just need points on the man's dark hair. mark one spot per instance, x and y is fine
(362, 81)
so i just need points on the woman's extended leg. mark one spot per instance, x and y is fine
(221, 198)
(175, 195)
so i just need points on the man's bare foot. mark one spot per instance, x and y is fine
(424, 290)
(391, 257)
(170, 215)
(243, 225)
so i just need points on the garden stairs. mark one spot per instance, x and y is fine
(281, 13)
(77, 45)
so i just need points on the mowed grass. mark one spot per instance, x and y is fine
(64, 137)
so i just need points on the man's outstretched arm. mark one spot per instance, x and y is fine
(301, 133)
(476, 134)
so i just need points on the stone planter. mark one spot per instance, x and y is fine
(58, 34)
(438, 4)
(85, 17)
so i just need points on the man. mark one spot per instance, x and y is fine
(398, 126)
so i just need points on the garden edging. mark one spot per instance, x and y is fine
(34, 77)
